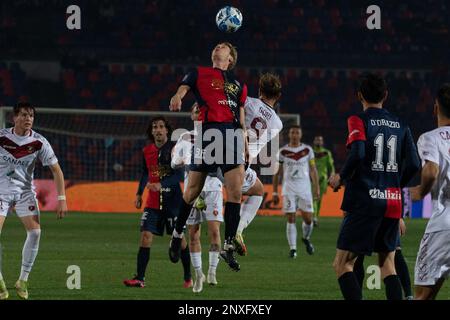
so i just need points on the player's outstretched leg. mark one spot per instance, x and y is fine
(214, 250)
(249, 208)
(186, 262)
(142, 259)
(359, 271)
(231, 217)
(403, 273)
(29, 253)
(196, 254)
(4, 294)
(196, 181)
(291, 235)
(307, 228)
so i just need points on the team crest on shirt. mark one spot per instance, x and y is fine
(217, 84)
(30, 149)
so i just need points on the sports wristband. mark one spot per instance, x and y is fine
(61, 198)
(274, 193)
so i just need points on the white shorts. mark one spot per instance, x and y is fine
(25, 204)
(433, 259)
(292, 203)
(249, 179)
(213, 211)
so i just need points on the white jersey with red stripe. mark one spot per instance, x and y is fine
(296, 163)
(262, 124)
(18, 156)
(434, 146)
(182, 156)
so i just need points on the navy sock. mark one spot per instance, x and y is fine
(349, 286)
(393, 287)
(183, 215)
(359, 271)
(186, 261)
(142, 260)
(403, 272)
(231, 217)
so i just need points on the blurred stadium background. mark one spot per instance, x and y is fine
(130, 55)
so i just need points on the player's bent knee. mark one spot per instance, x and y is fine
(215, 247)
(146, 239)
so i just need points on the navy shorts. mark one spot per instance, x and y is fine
(222, 147)
(155, 221)
(364, 234)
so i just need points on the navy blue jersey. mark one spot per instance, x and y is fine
(388, 161)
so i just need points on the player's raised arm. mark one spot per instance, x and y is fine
(176, 101)
(58, 177)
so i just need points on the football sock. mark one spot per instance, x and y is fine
(349, 286)
(393, 287)
(231, 217)
(213, 261)
(403, 272)
(307, 230)
(249, 209)
(196, 259)
(29, 252)
(1, 276)
(291, 234)
(186, 261)
(358, 270)
(142, 260)
(183, 215)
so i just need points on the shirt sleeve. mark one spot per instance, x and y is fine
(356, 130)
(47, 155)
(243, 97)
(190, 79)
(428, 149)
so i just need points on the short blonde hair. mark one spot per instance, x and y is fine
(233, 53)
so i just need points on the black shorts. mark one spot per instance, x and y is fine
(155, 221)
(364, 234)
(219, 148)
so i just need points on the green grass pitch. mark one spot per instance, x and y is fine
(104, 246)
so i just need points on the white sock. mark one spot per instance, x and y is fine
(213, 261)
(1, 276)
(249, 208)
(196, 260)
(291, 234)
(29, 252)
(307, 230)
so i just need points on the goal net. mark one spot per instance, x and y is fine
(100, 146)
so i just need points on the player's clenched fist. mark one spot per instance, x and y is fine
(335, 182)
(175, 103)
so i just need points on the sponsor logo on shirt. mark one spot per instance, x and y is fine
(15, 161)
(385, 195)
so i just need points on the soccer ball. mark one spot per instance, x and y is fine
(229, 19)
